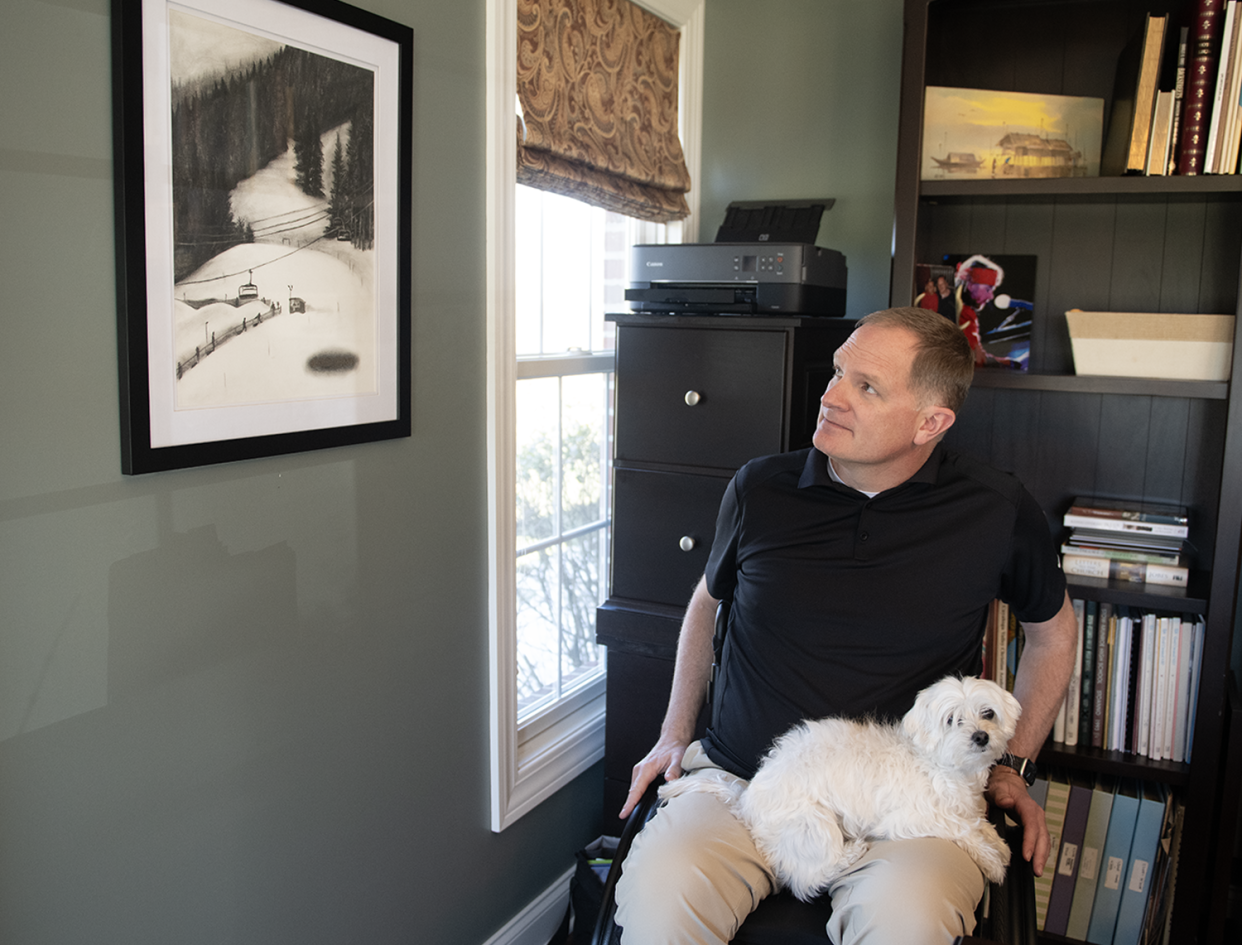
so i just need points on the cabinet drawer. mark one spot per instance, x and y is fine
(652, 513)
(737, 377)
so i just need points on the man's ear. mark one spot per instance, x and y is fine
(935, 423)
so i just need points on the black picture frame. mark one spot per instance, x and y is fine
(219, 109)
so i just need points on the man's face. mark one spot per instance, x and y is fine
(868, 416)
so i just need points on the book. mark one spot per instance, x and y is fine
(1074, 828)
(1227, 157)
(1090, 857)
(1055, 803)
(1130, 526)
(1134, 97)
(1140, 871)
(1179, 98)
(1161, 127)
(1100, 686)
(1120, 554)
(1147, 658)
(1073, 693)
(1196, 658)
(1137, 571)
(1127, 541)
(1200, 85)
(1224, 66)
(1088, 673)
(1113, 864)
(1155, 924)
(1000, 657)
(1119, 684)
(1183, 697)
(1217, 131)
(1163, 513)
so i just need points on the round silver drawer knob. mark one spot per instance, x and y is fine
(693, 397)
(687, 543)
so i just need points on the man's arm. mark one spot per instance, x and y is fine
(691, 675)
(1043, 675)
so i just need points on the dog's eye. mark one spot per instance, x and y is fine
(949, 721)
(988, 714)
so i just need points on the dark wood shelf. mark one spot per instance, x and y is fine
(1116, 763)
(1135, 244)
(1099, 384)
(1081, 186)
(1180, 600)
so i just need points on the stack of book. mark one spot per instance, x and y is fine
(1127, 541)
(1135, 684)
(1113, 860)
(1178, 98)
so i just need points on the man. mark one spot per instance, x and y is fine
(858, 572)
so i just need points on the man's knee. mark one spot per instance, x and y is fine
(908, 891)
(691, 876)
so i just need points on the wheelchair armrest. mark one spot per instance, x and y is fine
(1011, 905)
(638, 818)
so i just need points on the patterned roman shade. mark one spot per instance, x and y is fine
(597, 82)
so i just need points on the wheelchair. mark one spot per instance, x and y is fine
(1005, 916)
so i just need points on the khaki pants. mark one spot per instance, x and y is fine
(693, 875)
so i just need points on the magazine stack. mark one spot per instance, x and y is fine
(1127, 541)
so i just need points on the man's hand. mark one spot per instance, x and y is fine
(1007, 790)
(663, 759)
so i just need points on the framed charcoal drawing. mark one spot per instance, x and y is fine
(263, 214)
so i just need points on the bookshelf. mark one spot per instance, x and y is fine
(1159, 244)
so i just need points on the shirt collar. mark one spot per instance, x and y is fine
(815, 472)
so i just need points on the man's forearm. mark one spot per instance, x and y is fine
(1043, 675)
(693, 668)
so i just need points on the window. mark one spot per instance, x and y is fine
(555, 266)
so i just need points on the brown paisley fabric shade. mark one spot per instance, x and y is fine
(597, 80)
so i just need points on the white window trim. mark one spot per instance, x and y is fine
(525, 772)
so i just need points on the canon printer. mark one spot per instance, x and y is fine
(764, 262)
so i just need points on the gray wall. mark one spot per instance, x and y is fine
(800, 100)
(247, 703)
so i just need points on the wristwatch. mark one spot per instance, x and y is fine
(1024, 767)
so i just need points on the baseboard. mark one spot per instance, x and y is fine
(538, 922)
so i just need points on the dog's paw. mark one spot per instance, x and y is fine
(990, 853)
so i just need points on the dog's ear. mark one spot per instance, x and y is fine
(934, 712)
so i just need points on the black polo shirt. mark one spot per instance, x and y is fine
(849, 605)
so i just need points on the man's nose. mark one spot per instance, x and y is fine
(832, 397)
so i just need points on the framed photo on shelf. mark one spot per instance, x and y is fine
(992, 298)
(262, 152)
(975, 134)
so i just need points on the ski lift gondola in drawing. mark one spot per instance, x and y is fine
(248, 291)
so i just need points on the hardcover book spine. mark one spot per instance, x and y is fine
(1200, 86)
(1137, 571)
(1179, 99)
(1074, 520)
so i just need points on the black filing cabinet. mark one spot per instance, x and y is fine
(696, 397)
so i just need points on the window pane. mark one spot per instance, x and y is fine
(571, 270)
(538, 408)
(583, 563)
(537, 627)
(584, 449)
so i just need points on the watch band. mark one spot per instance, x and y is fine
(1024, 767)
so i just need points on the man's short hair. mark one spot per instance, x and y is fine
(943, 362)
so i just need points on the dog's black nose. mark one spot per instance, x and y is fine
(980, 739)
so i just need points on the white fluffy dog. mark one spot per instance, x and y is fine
(829, 787)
